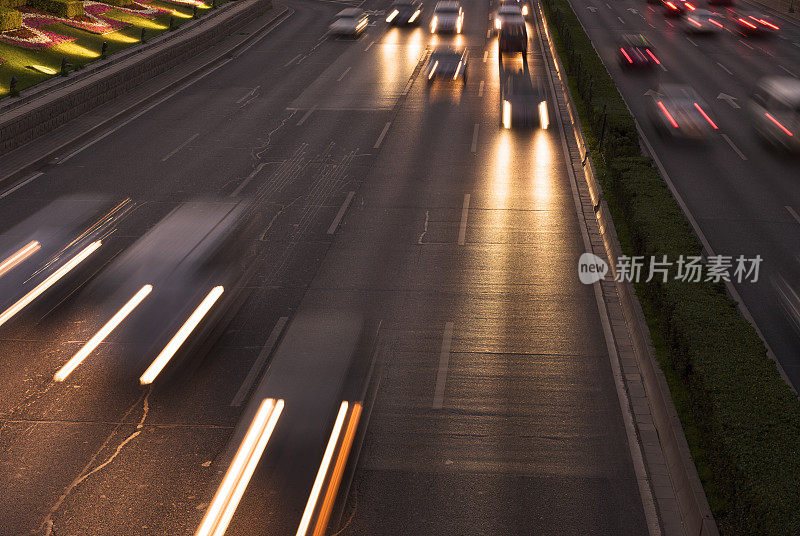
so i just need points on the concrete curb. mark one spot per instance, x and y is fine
(693, 509)
(54, 104)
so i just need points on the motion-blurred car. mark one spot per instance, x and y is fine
(507, 13)
(405, 12)
(702, 21)
(720, 2)
(448, 17)
(677, 8)
(677, 111)
(636, 52)
(523, 5)
(753, 23)
(173, 288)
(349, 22)
(513, 37)
(775, 112)
(48, 248)
(524, 102)
(448, 63)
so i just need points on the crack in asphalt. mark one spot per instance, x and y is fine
(47, 524)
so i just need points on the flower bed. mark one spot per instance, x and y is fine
(31, 35)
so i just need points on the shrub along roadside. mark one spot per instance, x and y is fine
(747, 418)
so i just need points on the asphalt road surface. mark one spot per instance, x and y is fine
(495, 410)
(743, 195)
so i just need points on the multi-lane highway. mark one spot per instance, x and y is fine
(743, 196)
(493, 408)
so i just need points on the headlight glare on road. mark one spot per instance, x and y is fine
(544, 118)
(506, 114)
(26, 251)
(180, 337)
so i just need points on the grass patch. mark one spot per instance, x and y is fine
(741, 420)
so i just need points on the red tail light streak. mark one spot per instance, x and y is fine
(667, 114)
(779, 125)
(705, 116)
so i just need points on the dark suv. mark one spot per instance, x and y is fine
(513, 38)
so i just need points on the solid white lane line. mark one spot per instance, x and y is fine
(291, 61)
(179, 147)
(369, 45)
(787, 71)
(408, 86)
(249, 94)
(745, 43)
(247, 180)
(733, 146)
(444, 360)
(21, 184)
(258, 365)
(462, 229)
(383, 135)
(307, 115)
(480, 89)
(340, 214)
(794, 213)
(724, 68)
(343, 74)
(474, 146)
(690, 40)
(485, 55)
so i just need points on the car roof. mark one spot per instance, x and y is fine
(678, 92)
(443, 52)
(703, 13)
(350, 12)
(782, 87)
(448, 4)
(509, 8)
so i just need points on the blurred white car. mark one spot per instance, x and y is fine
(349, 22)
(448, 17)
(775, 111)
(507, 13)
(702, 21)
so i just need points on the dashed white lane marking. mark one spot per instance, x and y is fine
(724, 68)
(291, 61)
(690, 40)
(620, 20)
(444, 360)
(485, 55)
(249, 94)
(369, 45)
(179, 147)
(787, 71)
(21, 184)
(733, 146)
(488, 33)
(794, 213)
(474, 146)
(480, 89)
(339, 215)
(383, 135)
(745, 43)
(462, 228)
(259, 363)
(341, 76)
(247, 179)
(306, 115)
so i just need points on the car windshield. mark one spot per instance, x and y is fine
(447, 10)
(446, 57)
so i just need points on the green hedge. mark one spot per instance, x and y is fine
(10, 19)
(62, 8)
(747, 417)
